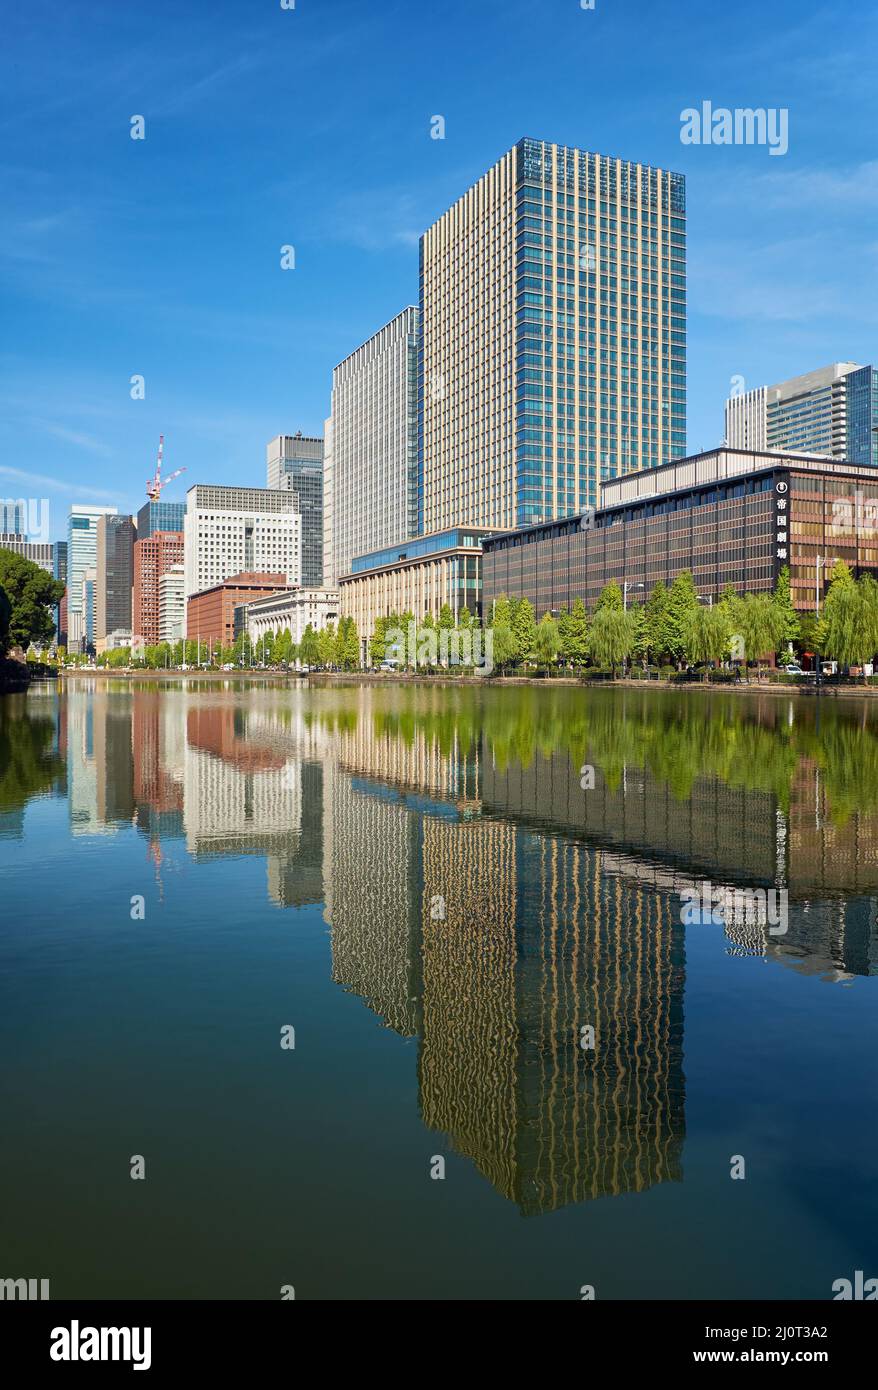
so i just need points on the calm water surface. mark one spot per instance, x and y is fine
(418, 882)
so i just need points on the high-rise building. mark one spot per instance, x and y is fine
(159, 516)
(87, 610)
(862, 416)
(154, 556)
(12, 517)
(172, 604)
(82, 550)
(553, 337)
(59, 571)
(328, 475)
(114, 572)
(230, 530)
(374, 454)
(295, 464)
(831, 411)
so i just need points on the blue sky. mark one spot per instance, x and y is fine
(311, 127)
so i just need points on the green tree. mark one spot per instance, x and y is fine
(708, 637)
(32, 593)
(612, 635)
(524, 629)
(573, 632)
(446, 617)
(377, 643)
(641, 633)
(656, 620)
(784, 599)
(611, 597)
(680, 613)
(548, 641)
(505, 647)
(850, 618)
(283, 648)
(326, 641)
(5, 617)
(309, 647)
(347, 645)
(758, 624)
(501, 616)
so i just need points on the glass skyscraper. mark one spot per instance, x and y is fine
(294, 463)
(862, 416)
(82, 551)
(553, 349)
(159, 516)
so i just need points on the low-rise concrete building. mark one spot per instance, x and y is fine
(291, 611)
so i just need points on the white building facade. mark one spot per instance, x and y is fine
(374, 445)
(172, 605)
(292, 612)
(237, 530)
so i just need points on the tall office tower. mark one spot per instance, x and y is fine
(154, 556)
(746, 425)
(114, 572)
(87, 609)
(159, 516)
(831, 411)
(13, 518)
(862, 416)
(328, 550)
(375, 444)
(59, 571)
(82, 551)
(172, 604)
(553, 329)
(234, 530)
(295, 464)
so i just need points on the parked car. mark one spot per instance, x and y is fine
(793, 669)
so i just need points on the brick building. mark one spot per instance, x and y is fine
(210, 615)
(154, 556)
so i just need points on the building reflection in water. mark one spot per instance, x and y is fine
(487, 905)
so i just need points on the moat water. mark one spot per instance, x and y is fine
(463, 912)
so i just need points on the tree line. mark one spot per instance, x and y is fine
(675, 626)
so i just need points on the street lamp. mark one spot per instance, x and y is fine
(821, 560)
(625, 587)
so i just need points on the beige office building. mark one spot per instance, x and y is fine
(370, 486)
(553, 325)
(416, 577)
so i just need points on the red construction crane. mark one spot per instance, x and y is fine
(154, 485)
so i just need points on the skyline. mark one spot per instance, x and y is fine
(161, 257)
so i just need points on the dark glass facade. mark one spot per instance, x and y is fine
(160, 516)
(738, 532)
(600, 319)
(862, 416)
